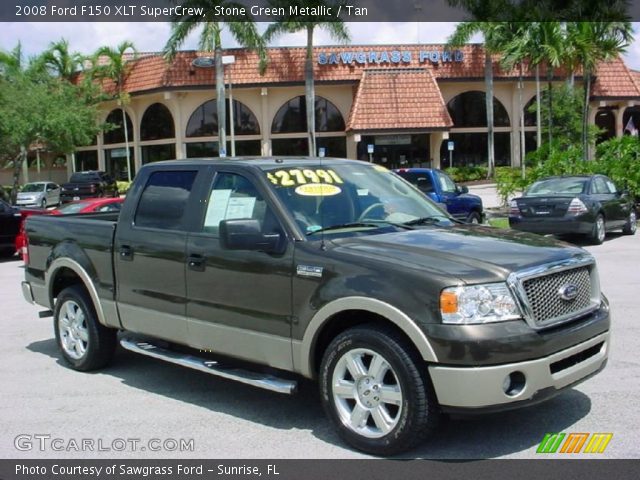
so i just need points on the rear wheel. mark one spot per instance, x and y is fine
(85, 343)
(599, 232)
(474, 217)
(632, 224)
(375, 391)
(43, 203)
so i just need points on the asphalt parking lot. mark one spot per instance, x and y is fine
(139, 400)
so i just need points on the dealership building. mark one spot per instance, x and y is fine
(400, 105)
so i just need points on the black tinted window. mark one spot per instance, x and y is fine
(84, 177)
(420, 180)
(163, 201)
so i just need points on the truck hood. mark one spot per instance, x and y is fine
(472, 254)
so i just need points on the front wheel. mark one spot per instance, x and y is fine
(632, 224)
(84, 342)
(43, 203)
(375, 391)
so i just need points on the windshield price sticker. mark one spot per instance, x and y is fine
(318, 190)
(296, 176)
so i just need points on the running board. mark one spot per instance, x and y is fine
(256, 379)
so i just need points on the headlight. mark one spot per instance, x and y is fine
(474, 304)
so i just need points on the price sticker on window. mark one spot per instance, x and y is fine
(302, 176)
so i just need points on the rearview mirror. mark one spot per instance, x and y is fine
(246, 234)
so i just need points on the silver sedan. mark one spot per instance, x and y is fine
(39, 194)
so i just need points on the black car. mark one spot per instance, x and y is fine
(10, 219)
(588, 205)
(88, 184)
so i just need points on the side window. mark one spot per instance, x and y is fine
(611, 186)
(163, 201)
(599, 186)
(233, 197)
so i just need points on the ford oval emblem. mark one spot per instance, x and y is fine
(568, 292)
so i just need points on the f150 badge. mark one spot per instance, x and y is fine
(309, 271)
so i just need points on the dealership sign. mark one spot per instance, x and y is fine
(382, 57)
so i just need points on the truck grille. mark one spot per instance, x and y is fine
(543, 297)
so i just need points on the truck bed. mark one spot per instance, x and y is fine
(87, 238)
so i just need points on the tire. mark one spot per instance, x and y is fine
(85, 344)
(632, 224)
(43, 204)
(599, 230)
(386, 362)
(474, 217)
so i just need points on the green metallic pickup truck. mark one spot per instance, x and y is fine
(266, 270)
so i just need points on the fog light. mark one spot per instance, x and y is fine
(513, 383)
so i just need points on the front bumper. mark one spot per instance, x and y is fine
(481, 389)
(28, 202)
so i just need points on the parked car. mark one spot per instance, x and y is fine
(10, 219)
(39, 194)
(331, 269)
(88, 205)
(88, 184)
(440, 188)
(589, 205)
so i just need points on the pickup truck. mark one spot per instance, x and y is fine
(440, 188)
(88, 184)
(266, 270)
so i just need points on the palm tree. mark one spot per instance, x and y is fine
(244, 32)
(291, 24)
(61, 62)
(591, 43)
(112, 64)
(495, 34)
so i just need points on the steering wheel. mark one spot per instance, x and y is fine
(369, 209)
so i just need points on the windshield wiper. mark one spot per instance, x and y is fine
(426, 220)
(340, 226)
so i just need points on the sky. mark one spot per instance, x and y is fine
(151, 37)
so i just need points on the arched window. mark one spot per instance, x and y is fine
(292, 117)
(469, 110)
(632, 113)
(530, 113)
(157, 123)
(116, 135)
(606, 122)
(204, 120)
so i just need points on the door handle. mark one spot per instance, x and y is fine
(126, 253)
(196, 263)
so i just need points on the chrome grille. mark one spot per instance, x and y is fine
(545, 302)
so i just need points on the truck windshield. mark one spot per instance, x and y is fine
(340, 198)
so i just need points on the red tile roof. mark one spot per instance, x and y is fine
(286, 66)
(398, 99)
(614, 80)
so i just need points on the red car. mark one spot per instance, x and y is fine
(88, 205)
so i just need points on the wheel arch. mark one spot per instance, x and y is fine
(63, 273)
(342, 314)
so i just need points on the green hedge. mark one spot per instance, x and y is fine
(467, 174)
(123, 187)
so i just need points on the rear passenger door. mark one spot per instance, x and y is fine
(149, 255)
(239, 301)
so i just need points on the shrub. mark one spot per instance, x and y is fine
(123, 187)
(466, 174)
(619, 159)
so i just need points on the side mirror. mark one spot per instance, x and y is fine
(246, 234)
(462, 189)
